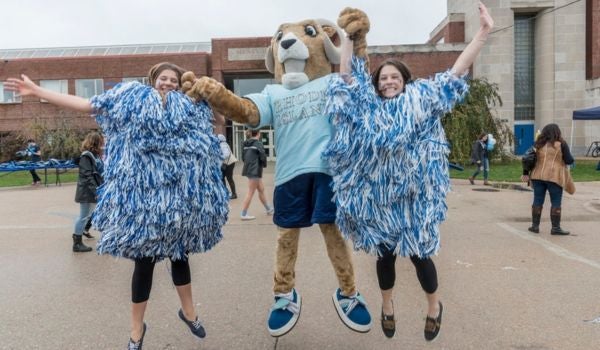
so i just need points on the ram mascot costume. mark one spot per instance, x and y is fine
(300, 56)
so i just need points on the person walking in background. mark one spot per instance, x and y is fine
(228, 165)
(550, 174)
(90, 178)
(255, 159)
(479, 157)
(35, 155)
(163, 195)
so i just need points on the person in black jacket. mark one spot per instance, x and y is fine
(479, 157)
(33, 151)
(90, 170)
(255, 159)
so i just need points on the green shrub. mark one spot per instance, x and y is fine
(10, 143)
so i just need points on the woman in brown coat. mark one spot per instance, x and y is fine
(550, 174)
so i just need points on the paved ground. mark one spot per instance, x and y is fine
(502, 287)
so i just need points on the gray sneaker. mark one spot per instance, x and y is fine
(137, 345)
(195, 326)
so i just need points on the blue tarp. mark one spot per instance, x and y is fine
(587, 114)
(26, 165)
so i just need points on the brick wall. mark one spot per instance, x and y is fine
(233, 56)
(112, 69)
(452, 32)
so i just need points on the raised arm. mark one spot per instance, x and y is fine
(26, 87)
(467, 57)
(346, 58)
(356, 24)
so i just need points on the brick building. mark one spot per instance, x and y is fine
(236, 62)
(543, 54)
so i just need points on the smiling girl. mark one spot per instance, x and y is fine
(163, 196)
(389, 158)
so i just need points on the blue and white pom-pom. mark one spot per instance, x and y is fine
(163, 195)
(389, 160)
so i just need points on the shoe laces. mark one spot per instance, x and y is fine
(349, 303)
(286, 302)
(197, 323)
(134, 345)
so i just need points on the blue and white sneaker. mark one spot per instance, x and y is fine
(353, 311)
(284, 313)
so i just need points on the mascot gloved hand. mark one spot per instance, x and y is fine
(300, 57)
(222, 100)
(356, 24)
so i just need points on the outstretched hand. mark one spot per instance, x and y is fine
(486, 22)
(23, 86)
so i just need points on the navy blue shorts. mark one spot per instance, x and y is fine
(304, 200)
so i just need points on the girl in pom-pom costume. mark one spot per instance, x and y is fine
(163, 196)
(389, 158)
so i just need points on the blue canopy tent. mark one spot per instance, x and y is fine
(585, 114)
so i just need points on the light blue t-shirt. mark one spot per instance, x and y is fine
(302, 130)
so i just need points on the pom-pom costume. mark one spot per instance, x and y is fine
(163, 196)
(389, 158)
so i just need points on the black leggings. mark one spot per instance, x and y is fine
(386, 271)
(141, 282)
(228, 174)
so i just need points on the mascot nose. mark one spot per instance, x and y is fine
(287, 43)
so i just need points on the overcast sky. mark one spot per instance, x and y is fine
(59, 23)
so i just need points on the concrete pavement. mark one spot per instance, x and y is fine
(502, 287)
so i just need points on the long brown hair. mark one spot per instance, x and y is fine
(550, 134)
(93, 142)
(399, 65)
(155, 71)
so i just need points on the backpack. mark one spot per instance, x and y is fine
(491, 142)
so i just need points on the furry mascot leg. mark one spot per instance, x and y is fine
(349, 304)
(285, 260)
(340, 258)
(286, 309)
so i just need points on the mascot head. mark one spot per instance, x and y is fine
(303, 51)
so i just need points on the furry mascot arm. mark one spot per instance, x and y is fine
(222, 100)
(356, 25)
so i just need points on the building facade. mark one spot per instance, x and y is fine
(545, 57)
(238, 63)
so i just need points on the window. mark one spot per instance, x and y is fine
(60, 86)
(524, 67)
(8, 96)
(143, 80)
(245, 85)
(88, 88)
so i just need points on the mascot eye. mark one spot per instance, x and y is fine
(278, 35)
(310, 30)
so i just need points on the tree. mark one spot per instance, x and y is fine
(57, 139)
(474, 116)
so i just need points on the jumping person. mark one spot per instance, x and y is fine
(163, 196)
(389, 159)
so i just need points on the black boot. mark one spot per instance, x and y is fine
(555, 218)
(78, 246)
(536, 215)
(86, 229)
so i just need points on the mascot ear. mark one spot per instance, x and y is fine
(332, 52)
(270, 60)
